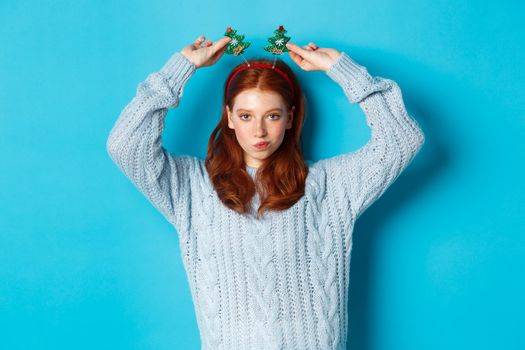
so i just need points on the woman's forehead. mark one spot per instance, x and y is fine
(254, 99)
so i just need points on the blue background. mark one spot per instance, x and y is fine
(86, 262)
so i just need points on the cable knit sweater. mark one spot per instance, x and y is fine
(279, 282)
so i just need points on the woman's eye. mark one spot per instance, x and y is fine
(272, 116)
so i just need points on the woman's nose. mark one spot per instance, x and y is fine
(260, 129)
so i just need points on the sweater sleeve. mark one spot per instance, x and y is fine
(134, 143)
(357, 179)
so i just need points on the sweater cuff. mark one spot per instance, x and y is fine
(177, 70)
(353, 78)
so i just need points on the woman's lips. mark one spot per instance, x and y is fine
(261, 145)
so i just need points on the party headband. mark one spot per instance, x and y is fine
(277, 46)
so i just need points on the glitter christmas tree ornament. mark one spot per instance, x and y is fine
(237, 45)
(278, 43)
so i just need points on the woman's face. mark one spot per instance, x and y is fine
(259, 116)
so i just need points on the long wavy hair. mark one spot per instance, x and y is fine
(280, 180)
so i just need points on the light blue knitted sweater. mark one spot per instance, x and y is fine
(280, 282)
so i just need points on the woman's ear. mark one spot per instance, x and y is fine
(290, 118)
(230, 120)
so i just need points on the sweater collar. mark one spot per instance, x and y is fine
(251, 170)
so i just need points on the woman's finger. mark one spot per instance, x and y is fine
(296, 58)
(222, 42)
(219, 48)
(307, 47)
(199, 41)
(299, 50)
(220, 45)
(293, 55)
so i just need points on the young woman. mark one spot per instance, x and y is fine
(265, 239)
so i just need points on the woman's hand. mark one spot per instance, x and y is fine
(310, 57)
(205, 55)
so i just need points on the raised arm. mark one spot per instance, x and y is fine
(134, 143)
(359, 178)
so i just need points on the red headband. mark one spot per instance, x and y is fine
(285, 76)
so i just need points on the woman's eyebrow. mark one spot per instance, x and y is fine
(247, 110)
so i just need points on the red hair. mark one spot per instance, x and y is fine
(282, 176)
